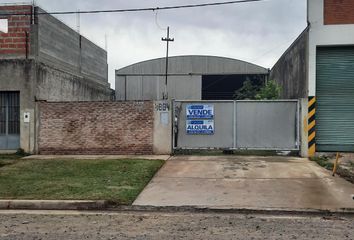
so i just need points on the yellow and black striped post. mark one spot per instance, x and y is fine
(312, 126)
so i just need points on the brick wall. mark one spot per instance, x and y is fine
(96, 128)
(13, 43)
(338, 12)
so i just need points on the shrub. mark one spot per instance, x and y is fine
(270, 91)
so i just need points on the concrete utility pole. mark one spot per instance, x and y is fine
(78, 21)
(167, 40)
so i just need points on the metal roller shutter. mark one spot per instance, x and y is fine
(335, 99)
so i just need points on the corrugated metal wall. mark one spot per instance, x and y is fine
(152, 87)
(146, 80)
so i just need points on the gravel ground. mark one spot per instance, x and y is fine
(57, 225)
(346, 164)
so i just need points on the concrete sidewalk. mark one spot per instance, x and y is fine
(247, 182)
(78, 157)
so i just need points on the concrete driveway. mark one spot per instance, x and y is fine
(246, 182)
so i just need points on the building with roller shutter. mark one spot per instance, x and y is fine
(319, 67)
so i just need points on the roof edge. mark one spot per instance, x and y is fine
(306, 30)
(191, 55)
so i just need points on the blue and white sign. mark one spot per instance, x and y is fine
(200, 111)
(203, 127)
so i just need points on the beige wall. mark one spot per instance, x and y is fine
(162, 136)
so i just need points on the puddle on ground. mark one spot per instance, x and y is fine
(245, 166)
(233, 166)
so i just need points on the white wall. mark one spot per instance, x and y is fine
(162, 138)
(323, 35)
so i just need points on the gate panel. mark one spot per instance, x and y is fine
(266, 125)
(263, 125)
(223, 119)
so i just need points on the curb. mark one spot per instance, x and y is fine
(103, 205)
(230, 210)
(52, 205)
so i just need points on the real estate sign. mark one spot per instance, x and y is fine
(200, 111)
(205, 127)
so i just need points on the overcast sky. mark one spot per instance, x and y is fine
(257, 32)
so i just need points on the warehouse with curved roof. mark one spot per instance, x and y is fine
(190, 77)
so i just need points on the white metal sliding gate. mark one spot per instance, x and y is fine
(263, 125)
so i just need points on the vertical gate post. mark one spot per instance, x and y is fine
(173, 126)
(234, 122)
(304, 127)
(298, 121)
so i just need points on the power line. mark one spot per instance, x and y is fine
(139, 9)
(157, 22)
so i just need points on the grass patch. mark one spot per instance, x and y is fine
(8, 159)
(119, 181)
(323, 161)
(10, 156)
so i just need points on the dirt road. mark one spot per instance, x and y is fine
(15, 225)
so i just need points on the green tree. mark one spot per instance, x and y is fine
(270, 91)
(247, 92)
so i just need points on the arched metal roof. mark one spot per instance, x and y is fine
(193, 64)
